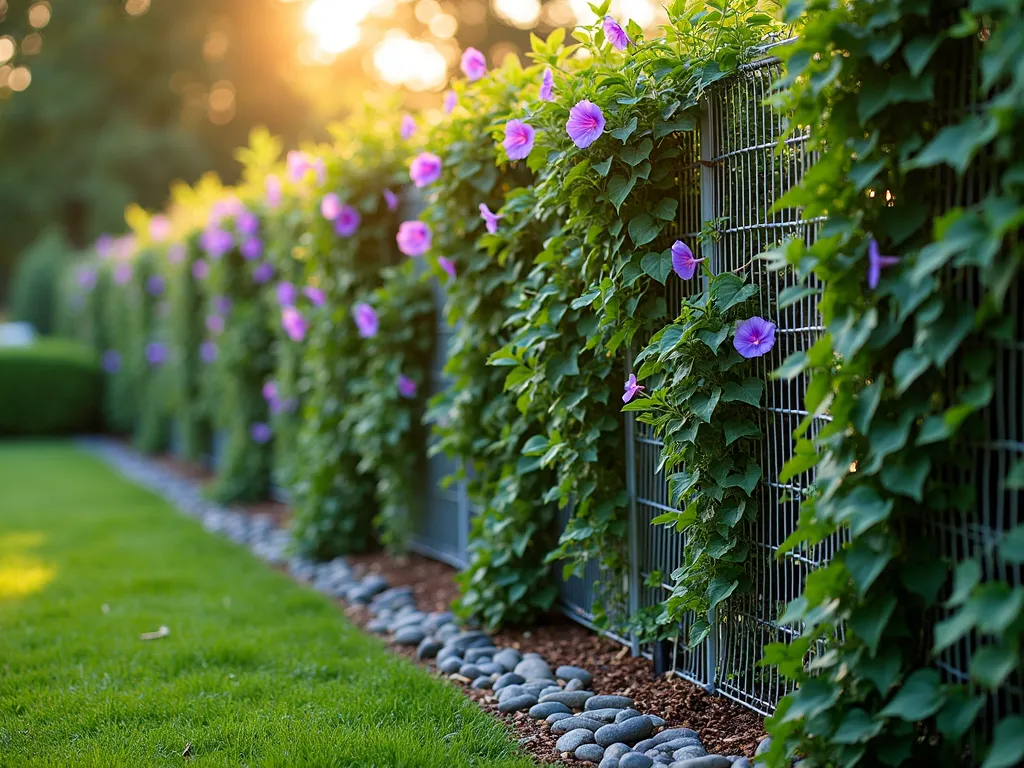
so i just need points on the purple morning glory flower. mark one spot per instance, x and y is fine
(228, 208)
(176, 253)
(221, 305)
(330, 206)
(217, 242)
(447, 265)
(248, 223)
(615, 34)
(315, 295)
(414, 238)
(319, 168)
(585, 124)
(391, 200)
(270, 391)
(104, 246)
(215, 324)
(754, 337)
(547, 85)
(272, 191)
(406, 386)
(682, 260)
(473, 64)
(263, 273)
(156, 353)
(425, 169)
(518, 139)
(490, 219)
(155, 285)
(348, 221)
(159, 228)
(631, 389)
(366, 320)
(87, 278)
(408, 129)
(284, 406)
(260, 432)
(298, 163)
(286, 294)
(294, 323)
(200, 269)
(111, 361)
(208, 352)
(877, 262)
(122, 273)
(451, 100)
(252, 249)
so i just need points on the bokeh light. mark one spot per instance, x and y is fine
(416, 64)
(32, 44)
(519, 13)
(39, 15)
(19, 79)
(221, 102)
(6, 49)
(136, 7)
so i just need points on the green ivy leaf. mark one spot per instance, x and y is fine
(749, 391)
(747, 480)
(908, 478)
(992, 664)
(794, 293)
(918, 52)
(643, 229)
(657, 265)
(918, 698)
(719, 589)
(1014, 480)
(1011, 548)
(586, 299)
(535, 446)
(603, 167)
(907, 368)
(713, 339)
(1007, 748)
(703, 404)
(956, 145)
(683, 124)
(666, 209)
(633, 156)
(734, 430)
(866, 561)
(862, 509)
(623, 133)
(856, 728)
(619, 188)
(958, 714)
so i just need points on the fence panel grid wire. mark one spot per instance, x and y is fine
(730, 173)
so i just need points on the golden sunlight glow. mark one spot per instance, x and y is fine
(21, 573)
(518, 13)
(334, 24)
(400, 60)
(20, 79)
(39, 15)
(6, 49)
(136, 7)
(32, 44)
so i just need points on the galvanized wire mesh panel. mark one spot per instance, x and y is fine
(442, 525)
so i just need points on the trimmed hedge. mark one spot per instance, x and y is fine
(52, 387)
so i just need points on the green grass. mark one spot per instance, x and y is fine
(256, 671)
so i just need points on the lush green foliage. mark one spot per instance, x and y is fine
(35, 281)
(917, 97)
(52, 387)
(148, 302)
(248, 649)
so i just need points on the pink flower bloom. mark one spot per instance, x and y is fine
(263, 273)
(518, 139)
(585, 124)
(176, 253)
(104, 246)
(366, 320)
(155, 285)
(631, 389)
(414, 238)
(877, 262)
(260, 433)
(682, 260)
(122, 273)
(286, 294)
(447, 265)
(425, 169)
(490, 219)
(451, 100)
(319, 168)
(272, 191)
(473, 64)
(406, 386)
(754, 337)
(270, 391)
(348, 221)
(330, 206)
(200, 269)
(208, 352)
(615, 34)
(408, 129)
(547, 85)
(298, 164)
(217, 242)
(215, 324)
(315, 295)
(156, 353)
(294, 323)
(391, 200)
(159, 228)
(248, 223)
(252, 249)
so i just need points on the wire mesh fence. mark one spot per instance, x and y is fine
(730, 174)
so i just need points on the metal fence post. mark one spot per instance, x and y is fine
(633, 573)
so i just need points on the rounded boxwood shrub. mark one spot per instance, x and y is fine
(52, 387)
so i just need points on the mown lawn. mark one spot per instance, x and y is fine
(256, 670)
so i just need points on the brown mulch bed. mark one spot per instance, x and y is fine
(725, 727)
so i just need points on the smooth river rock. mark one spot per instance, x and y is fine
(675, 733)
(508, 658)
(571, 740)
(574, 673)
(709, 761)
(609, 702)
(635, 760)
(574, 699)
(517, 703)
(632, 730)
(590, 753)
(509, 678)
(571, 723)
(534, 668)
(545, 708)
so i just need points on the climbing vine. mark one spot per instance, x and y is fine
(902, 98)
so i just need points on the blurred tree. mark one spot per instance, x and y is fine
(105, 102)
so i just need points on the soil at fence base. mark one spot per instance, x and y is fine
(724, 726)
